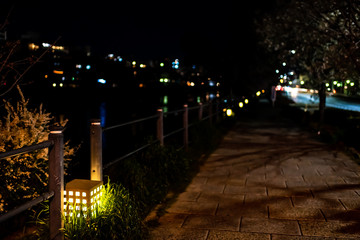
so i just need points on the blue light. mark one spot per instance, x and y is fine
(101, 80)
(88, 67)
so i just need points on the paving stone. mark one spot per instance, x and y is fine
(236, 181)
(320, 203)
(233, 209)
(336, 194)
(286, 192)
(216, 188)
(213, 197)
(330, 229)
(178, 234)
(341, 215)
(193, 208)
(351, 203)
(287, 237)
(233, 189)
(212, 222)
(296, 213)
(275, 226)
(188, 196)
(171, 220)
(227, 235)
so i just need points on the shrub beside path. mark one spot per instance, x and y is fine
(269, 179)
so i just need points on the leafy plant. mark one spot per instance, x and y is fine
(24, 176)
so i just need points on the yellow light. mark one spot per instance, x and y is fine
(224, 109)
(281, 80)
(258, 93)
(84, 201)
(246, 101)
(229, 112)
(302, 82)
(241, 104)
(162, 64)
(133, 63)
(263, 91)
(141, 85)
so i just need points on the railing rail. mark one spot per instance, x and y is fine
(30, 204)
(55, 143)
(96, 166)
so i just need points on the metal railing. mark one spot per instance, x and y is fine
(55, 144)
(96, 133)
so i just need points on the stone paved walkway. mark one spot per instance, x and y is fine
(268, 180)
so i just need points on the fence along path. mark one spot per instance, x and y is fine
(55, 143)
(96, 134)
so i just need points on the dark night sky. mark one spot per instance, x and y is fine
(134, 27)
(140, 28)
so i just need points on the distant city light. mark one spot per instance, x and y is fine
(277, 71)
(175, 64)
(162, 64)
(133, 63)
(293, 51)
(58, 72)
(61, 84)
(352, 84)
(101, 80)
(284, 64)
(54, 84)
(302, 82)
(78, 66)
(246, 101)
(258, 93)
(88, 67)
(46, 45)
(241, 104)
(142, 66)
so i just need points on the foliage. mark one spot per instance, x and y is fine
(116, 217)
(152, 173)
(24, 176)
(319, 38)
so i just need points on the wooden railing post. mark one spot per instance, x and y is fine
(160, 127)
(96, 169)
(186, 127)
(56, 183)
(200, 111)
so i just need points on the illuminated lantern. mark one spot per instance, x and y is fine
(82, 194)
